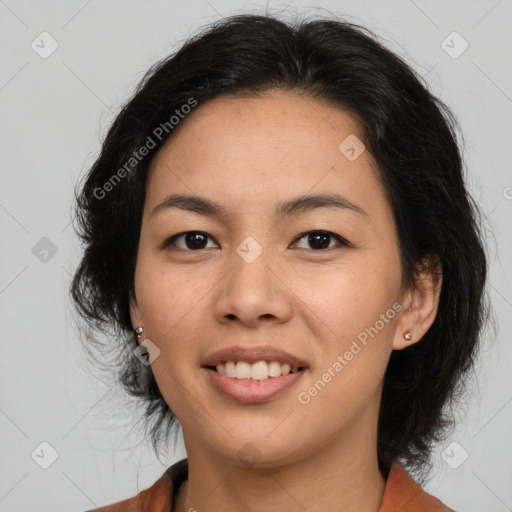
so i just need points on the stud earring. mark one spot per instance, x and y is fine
(408, 335)
(139, 332)
(412, 307)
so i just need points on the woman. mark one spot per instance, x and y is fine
(279, 218)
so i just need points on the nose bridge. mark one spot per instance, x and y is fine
(250, 263)
(251, 287)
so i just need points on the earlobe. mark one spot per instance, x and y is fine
(404, 339)
(136, 323)
(422, 306)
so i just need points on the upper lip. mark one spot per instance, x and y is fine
(252, 355)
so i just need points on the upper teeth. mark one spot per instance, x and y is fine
(257, 371)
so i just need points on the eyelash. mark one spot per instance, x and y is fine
(342, 242)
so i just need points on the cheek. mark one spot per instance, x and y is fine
(352, 297)
(171, 308)
(361, 311)
(171, 303)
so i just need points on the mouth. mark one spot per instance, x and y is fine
(254, 374)
(255, 363)
(259, 371)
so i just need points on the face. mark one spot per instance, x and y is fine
(318, 279)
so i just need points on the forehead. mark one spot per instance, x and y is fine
(264, 124)
(251, 150)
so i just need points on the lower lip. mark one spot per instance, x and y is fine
(252, 391)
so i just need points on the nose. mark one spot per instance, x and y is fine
(253, 292)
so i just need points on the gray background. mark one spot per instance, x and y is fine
(54, 114)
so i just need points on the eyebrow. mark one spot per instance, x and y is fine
(203, 206)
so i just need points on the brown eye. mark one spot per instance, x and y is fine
(319, 240)
(191, 240)
(198, 240)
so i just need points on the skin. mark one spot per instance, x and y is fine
(248, 154)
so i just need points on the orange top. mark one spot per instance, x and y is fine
(401, 493)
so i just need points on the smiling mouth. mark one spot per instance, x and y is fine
(259, 371)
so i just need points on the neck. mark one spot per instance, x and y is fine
(342, 476)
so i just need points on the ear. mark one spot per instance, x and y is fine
(420, 309)
(134, 311)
